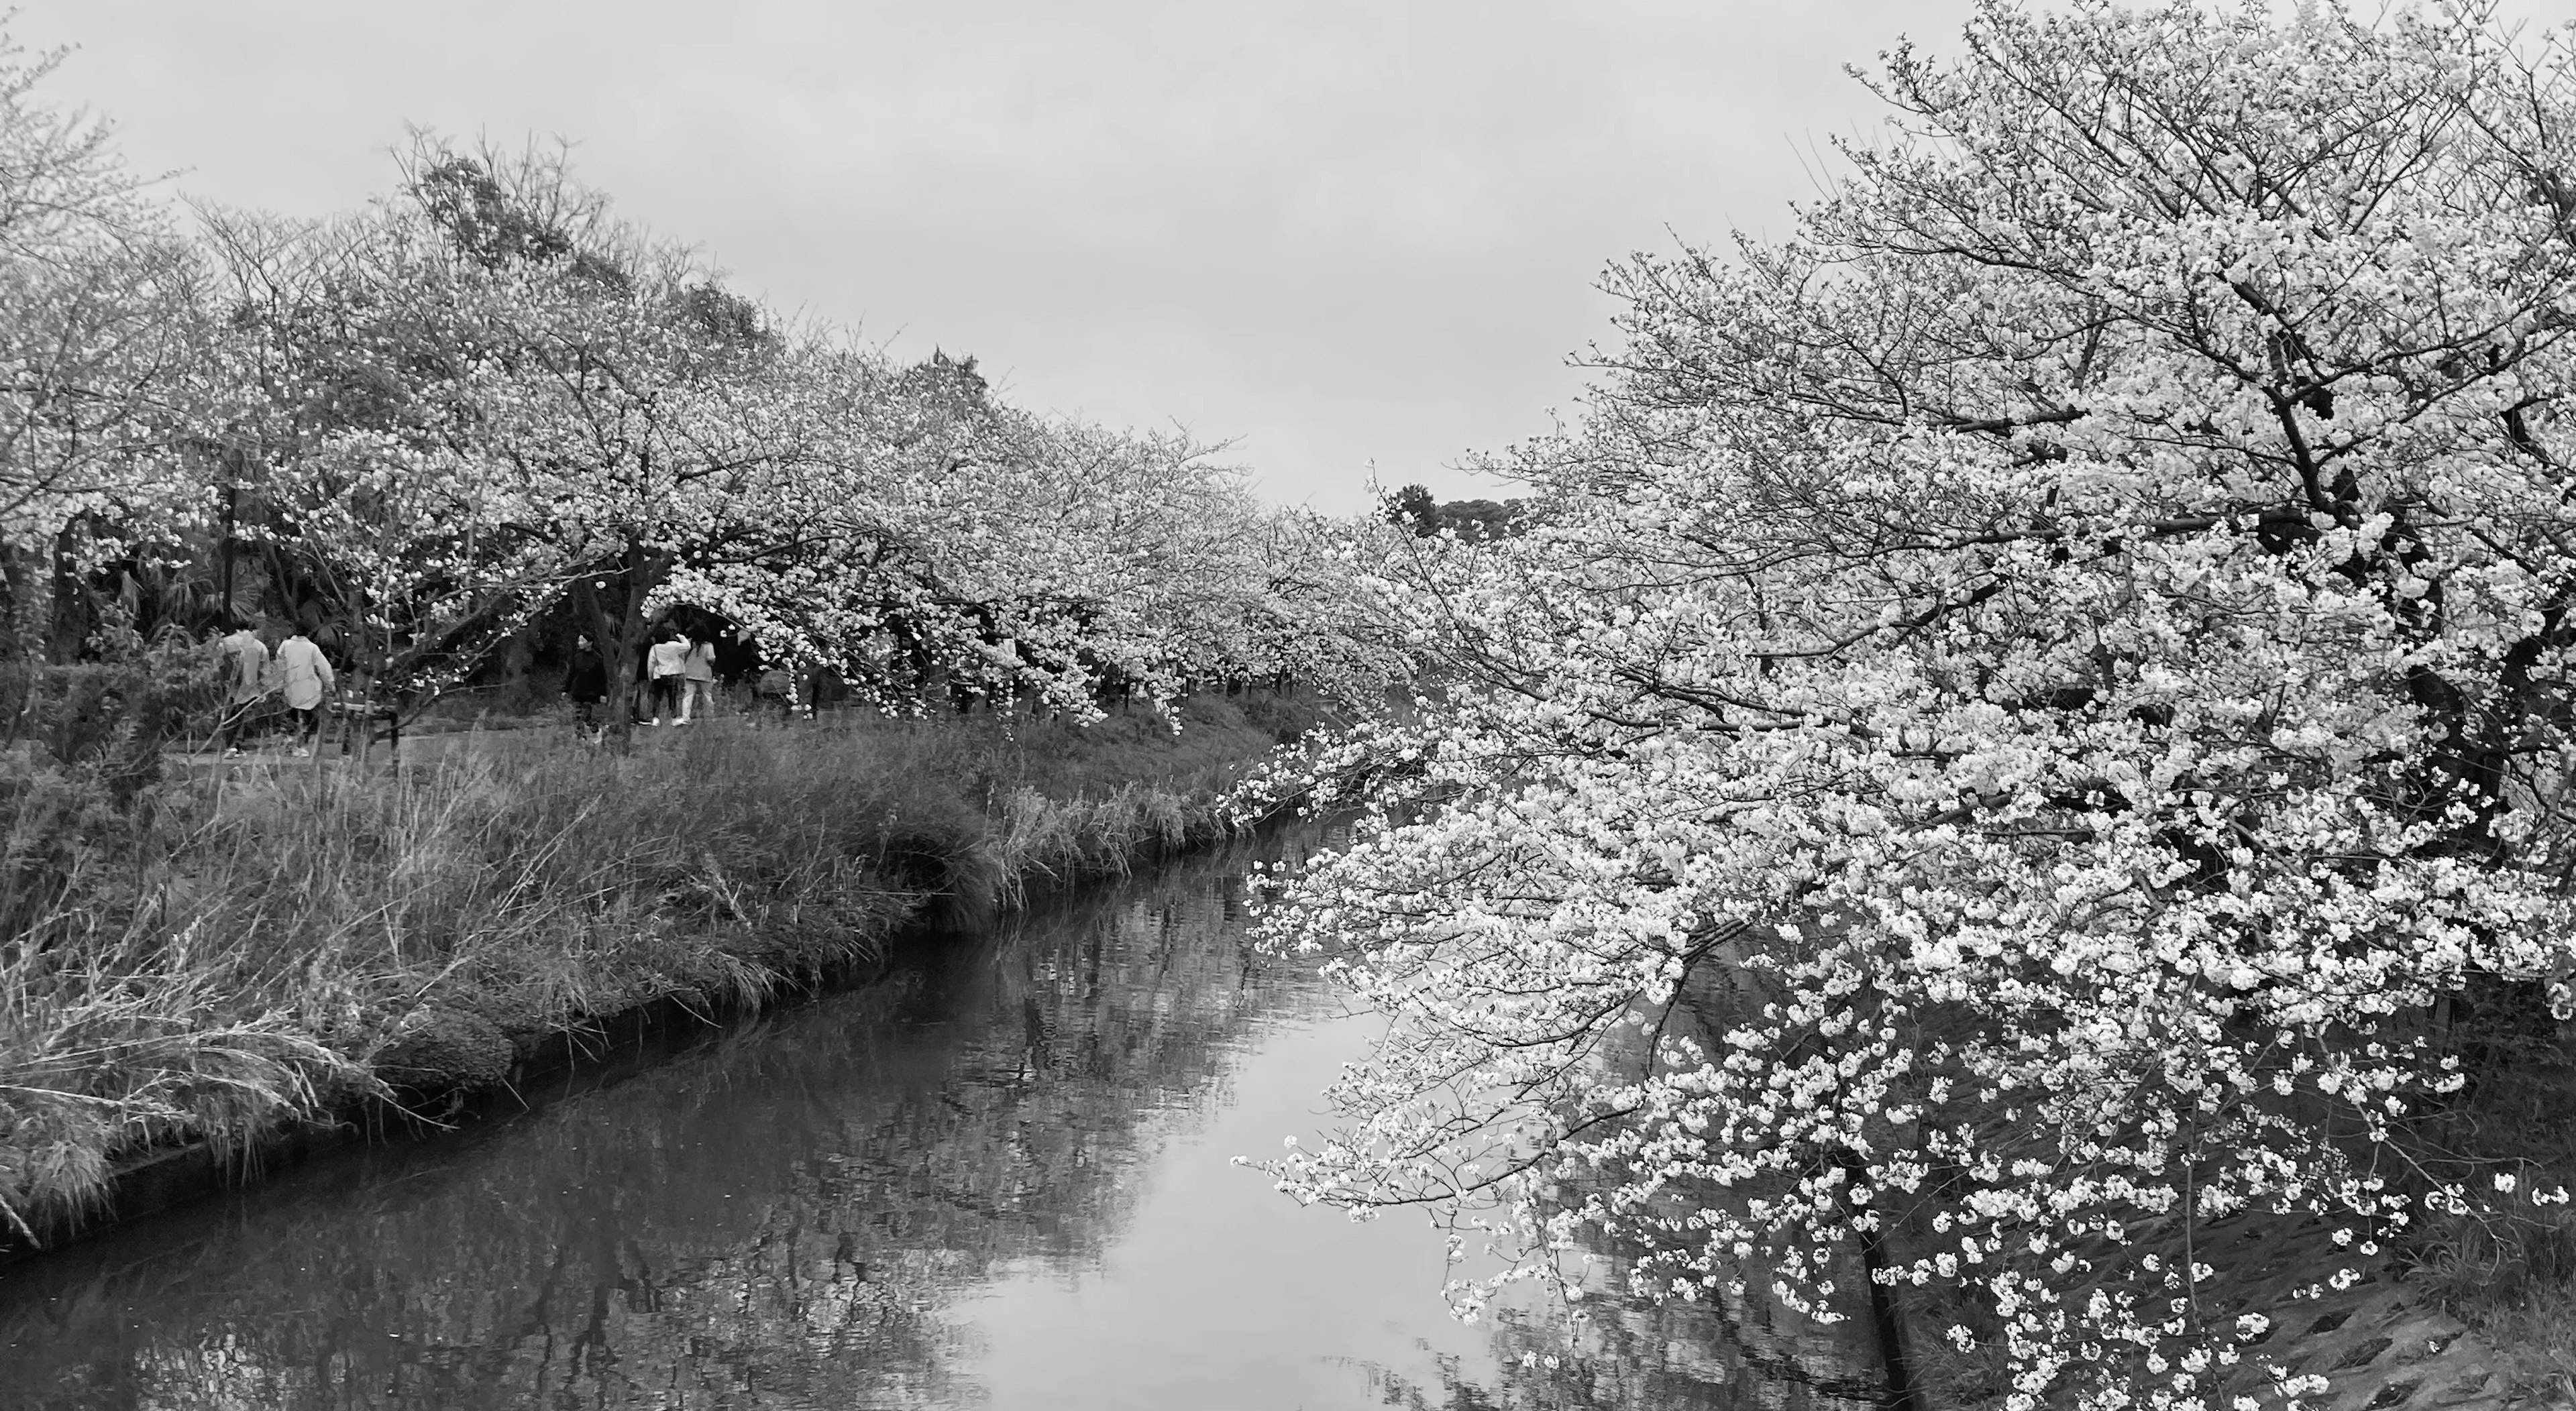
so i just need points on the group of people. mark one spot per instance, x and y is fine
(294, 669)
(679, 676)
(682, 671)
(679, 672)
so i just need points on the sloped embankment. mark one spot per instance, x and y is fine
(219, 972)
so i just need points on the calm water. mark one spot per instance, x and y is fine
(998, 1179)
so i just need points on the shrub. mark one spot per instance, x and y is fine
(115, 717)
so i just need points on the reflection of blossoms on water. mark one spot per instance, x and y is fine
(1622, 1353)
(1732, 1351)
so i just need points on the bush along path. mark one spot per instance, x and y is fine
(205, 976)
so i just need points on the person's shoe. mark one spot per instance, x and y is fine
(302, 753)
(233, 753)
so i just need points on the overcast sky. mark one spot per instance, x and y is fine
(1357, 239)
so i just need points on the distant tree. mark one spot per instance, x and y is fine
(995, 554)
(1411, 508)
(494, 226)
(1478, 519)
(1414, 509)
(952, 386)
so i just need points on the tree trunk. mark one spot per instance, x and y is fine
(1901, 1395)
(20, 597)
(612, 602)
(232, 508)
(72, 621)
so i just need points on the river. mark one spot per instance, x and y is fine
(999, 1178)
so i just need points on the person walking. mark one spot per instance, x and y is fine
(668, 663)
(586, 684)
(698, 675)
(246, 666)
(304, 675)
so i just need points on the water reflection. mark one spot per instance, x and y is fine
(997, 1179)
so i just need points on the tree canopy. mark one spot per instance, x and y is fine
(2010, 709)
(486, 402)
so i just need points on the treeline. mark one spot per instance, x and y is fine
(484, 410)
(1414, 510)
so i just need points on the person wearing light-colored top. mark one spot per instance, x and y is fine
(246, 663)
(667, 663)
(304, 675)
(698, 673)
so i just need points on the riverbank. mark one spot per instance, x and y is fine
(213, 962)
(996, 1177)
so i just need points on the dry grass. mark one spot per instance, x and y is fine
(2511, 1278)
(215, 956)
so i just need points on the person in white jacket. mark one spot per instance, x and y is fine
(304, 675)
(667, 662)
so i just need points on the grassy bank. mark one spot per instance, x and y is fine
(216, 955)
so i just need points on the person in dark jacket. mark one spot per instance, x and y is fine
(824, 690)
(586, 685)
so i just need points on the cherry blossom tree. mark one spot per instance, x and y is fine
(2003, 726)
(653, 433)
(972, 552)
(1101, 555)
(1310, 617)
(1144, 559)
(355, 459)
(98, 335)
(485, 398)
